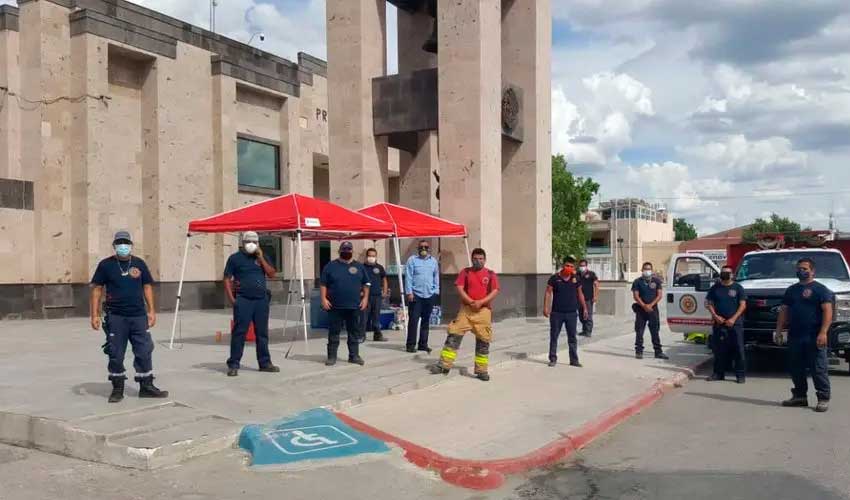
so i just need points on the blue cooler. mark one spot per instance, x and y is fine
(318, 316)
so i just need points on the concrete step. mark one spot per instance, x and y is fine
(141, 438)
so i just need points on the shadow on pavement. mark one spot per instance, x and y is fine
(577, 481)
(102, 389)
(733, 399)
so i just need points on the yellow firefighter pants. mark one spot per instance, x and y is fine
(480, 324)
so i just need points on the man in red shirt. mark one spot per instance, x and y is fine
(477, 287)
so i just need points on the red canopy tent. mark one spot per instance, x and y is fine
(295, 215)
(409, 223)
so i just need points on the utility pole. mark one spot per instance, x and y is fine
(213, 5)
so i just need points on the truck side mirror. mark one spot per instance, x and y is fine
(706, 280)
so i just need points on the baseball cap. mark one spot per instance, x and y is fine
(250, 236)
(122, 235)
(346, 246)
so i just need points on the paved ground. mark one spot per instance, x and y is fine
(705, 441)
(715, 441)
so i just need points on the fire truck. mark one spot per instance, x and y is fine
(765, 270)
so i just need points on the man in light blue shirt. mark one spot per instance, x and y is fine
(422, 286)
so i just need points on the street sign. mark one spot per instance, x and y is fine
(312, 435)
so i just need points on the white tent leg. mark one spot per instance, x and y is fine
(289, 292)
(303, 300)
(468, 256)
(179, 291)
(401, 282)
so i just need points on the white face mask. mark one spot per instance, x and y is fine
(647, 274)
(582, 269)
(371, 260)
(250, 247)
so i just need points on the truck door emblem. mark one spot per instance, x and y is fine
(688, 304)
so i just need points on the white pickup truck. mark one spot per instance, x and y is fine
(765, 275)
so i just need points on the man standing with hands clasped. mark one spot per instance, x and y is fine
(245, 284)
(807, 310)
(561, 304)
(477, 287)
(345, 295)
(377, 291)
(647, 295)
(727, 302)
(130, 313)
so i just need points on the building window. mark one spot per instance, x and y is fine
(258, 164)
(271, 246)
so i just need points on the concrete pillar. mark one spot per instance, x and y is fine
(357, 41)
(527, 165)
(90, 172)
(417, 184)
(470, 127)
(224, 161)
(356, 55)
(297, 177)
(46, 133)
(10, 111)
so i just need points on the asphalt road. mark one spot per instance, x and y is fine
(719, 441)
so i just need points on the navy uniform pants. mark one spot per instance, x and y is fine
(556, 322)
(372, 316)
(351, 318)
(134, 329)
(728, 347)
(419, 312)
(587, 324)
(806, 358)
(246, 311)
(642, 318)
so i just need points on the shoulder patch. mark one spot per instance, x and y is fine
(352, 270)
(807, 293)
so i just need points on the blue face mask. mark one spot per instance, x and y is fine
(123, 249)
(803, 275)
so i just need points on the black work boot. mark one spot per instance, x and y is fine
(661, 355)
(117, 390)
(148, 390)
(639, 354)
(484, 377)
(379, 337)
(270, 369)
(438, 369)
(356, 360)
(796, 402)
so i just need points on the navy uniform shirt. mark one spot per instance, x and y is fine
(124, 282)
(588, 280)
(376, 274)
(564, 293)
(248, 274)
(804, 302)
(344, 282)
(647, 289)
(727, 299)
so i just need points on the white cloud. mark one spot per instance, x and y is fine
(745, 160)
(673, 184)
(593, 134)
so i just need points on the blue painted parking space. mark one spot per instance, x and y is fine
(312, 435)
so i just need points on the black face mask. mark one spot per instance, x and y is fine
(726, 276)
(346, 255)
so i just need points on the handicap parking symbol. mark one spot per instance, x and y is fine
(310, 439)
(312, 435)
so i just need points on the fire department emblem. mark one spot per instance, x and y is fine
(574, 280)
(733, 293)
(352, 270)
(376, 271)
(135, 273)
(807, 293)
(688, 304)
(486, 280)
(652, 285)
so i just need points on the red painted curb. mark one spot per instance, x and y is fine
(489, 474)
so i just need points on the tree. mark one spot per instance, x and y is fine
(685, 231)
(571, 197)
(776, 224)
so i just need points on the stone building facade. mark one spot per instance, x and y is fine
(114, 116)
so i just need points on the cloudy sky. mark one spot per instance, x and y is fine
(724, 110)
